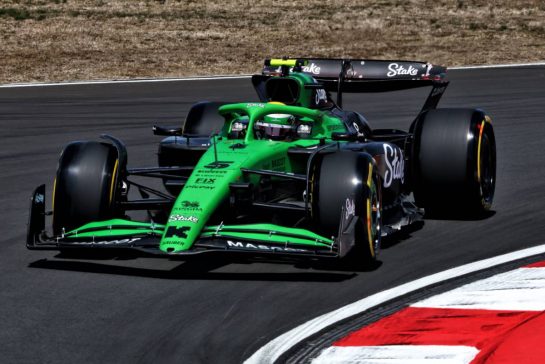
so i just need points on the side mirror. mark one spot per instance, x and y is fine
(167, 130)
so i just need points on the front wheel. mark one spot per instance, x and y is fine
(347, 187)
(86, 185)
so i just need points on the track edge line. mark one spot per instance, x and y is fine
(221, 77)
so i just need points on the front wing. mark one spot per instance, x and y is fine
(146, 237)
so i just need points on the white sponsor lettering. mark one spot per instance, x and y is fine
(395, 164)
(437, 90)
(192, 219)
(350, 208)
(320, 96)
(312, 68)
(106, 242)
(428, 66)
(395, 69)
(39, 198)
(238, 244)
(358, 131)
(254, 105)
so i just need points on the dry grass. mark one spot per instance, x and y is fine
(70, 40)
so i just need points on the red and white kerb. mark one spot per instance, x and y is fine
(495, 320)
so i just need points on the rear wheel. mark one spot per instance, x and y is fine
(347, 184)
(86, 185)
(454, 160)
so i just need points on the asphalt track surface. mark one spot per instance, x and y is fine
(213, 310)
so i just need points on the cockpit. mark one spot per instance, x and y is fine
(274, 126)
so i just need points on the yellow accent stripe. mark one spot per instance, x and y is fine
(369, 175)
(479, 152)
(276, 62)
(112, 184)
(369, 237)
(53, 200)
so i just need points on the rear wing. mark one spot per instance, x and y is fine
(362, 75)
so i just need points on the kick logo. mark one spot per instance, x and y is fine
(180, 232)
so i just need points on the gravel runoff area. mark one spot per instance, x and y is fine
(116, 39)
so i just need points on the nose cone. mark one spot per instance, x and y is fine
(204, 192)
(207, 188)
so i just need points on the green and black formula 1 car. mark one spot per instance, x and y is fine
(292, 175)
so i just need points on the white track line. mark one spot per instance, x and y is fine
(397, 354)
(226, 77)
(275, 348)
(507, 65)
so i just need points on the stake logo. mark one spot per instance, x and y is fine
(395, 69)
(312, 68)
(395, 165)
(192, 219)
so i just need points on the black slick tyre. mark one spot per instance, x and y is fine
(454, 163)
(86, 184)
(348, 183)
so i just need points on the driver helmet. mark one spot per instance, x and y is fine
(275, 126)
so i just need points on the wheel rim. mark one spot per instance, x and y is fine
(488, 171)
(374, 218)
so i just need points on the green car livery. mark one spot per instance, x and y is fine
(291, 175)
